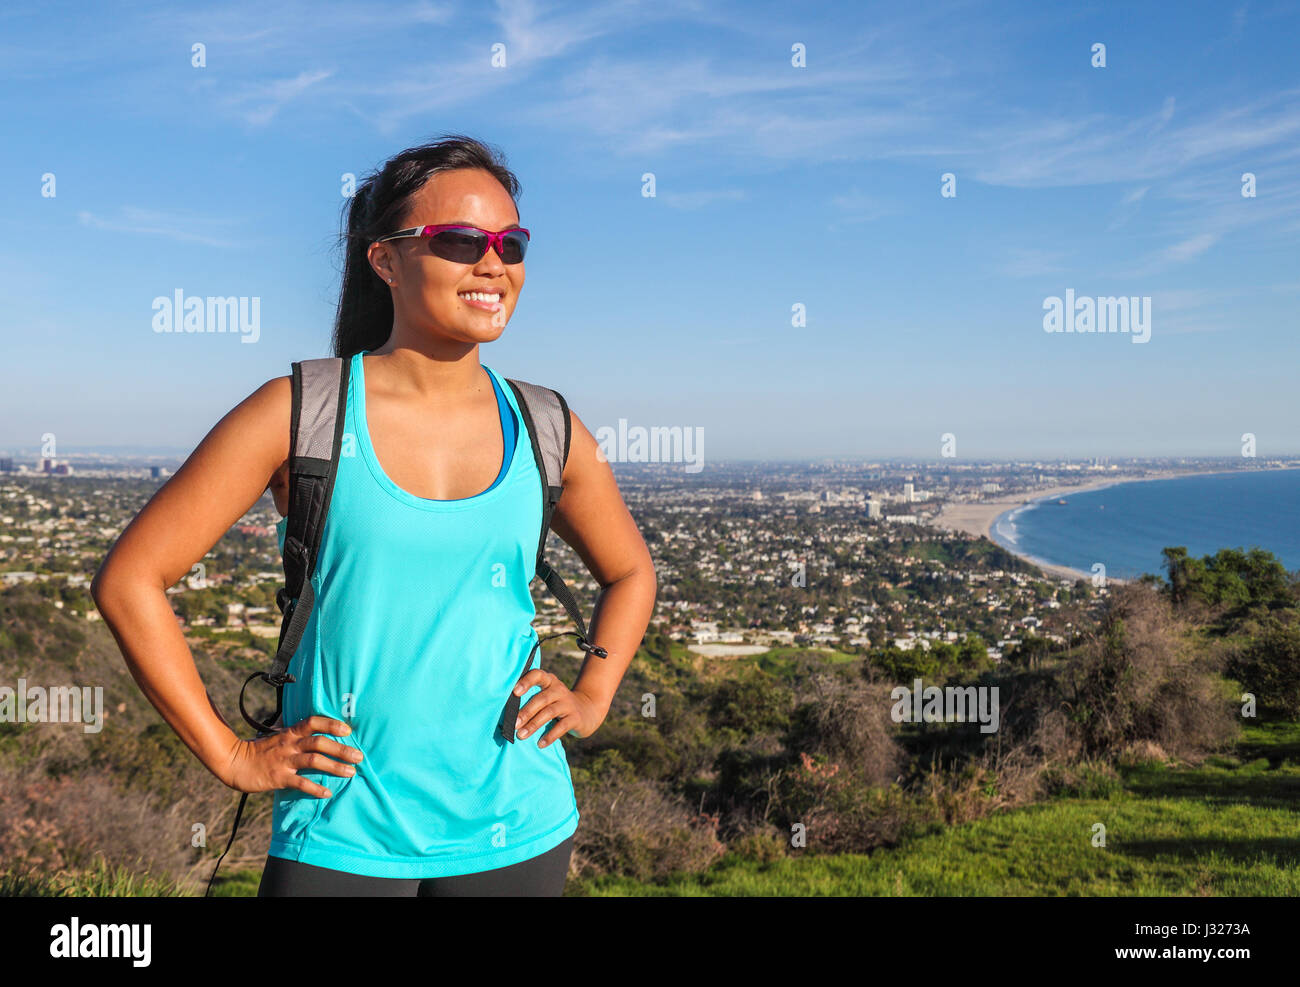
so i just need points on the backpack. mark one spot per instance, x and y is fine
(320, 389)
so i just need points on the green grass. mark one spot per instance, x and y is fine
(101, 880)
(1153, 847)
(1227, 827)
(783, 661)
(237, 884)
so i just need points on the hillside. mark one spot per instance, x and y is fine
(1172, 723)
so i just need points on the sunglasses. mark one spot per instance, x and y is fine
(467, 244)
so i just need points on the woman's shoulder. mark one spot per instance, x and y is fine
(272, 398)
(274, 401)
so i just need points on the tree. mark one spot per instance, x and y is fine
(1176, 565)
(973, 654)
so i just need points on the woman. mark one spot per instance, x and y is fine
(422, 620)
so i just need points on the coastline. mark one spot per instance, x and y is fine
(976, 519)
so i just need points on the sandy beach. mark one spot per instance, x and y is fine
(977, 519)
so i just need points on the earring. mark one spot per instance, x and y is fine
(390, 280)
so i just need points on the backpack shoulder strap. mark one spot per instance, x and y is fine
(546, 417)
(320, 389)
(320, 393)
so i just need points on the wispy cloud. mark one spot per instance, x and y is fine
(152, 222)
(1188, 249)
(699, 198)
(1100, 149)
(1182, 252)
(265, 99)
(856, 206)
(1189, 311)
(1238, 23)
(1028, 263)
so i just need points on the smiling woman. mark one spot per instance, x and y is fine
(429, 551)
(396, 229)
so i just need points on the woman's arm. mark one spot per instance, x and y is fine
(219, 482)
(592, 518)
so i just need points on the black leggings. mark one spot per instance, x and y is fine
(541, 876)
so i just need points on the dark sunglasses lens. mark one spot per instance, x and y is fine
(458, 246)
(513, 248)
(467, 246)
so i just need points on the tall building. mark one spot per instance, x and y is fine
(873, 509)
(908, 493)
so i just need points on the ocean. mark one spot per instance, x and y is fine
(1125, 526)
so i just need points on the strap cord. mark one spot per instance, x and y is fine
(511, 711)
(243, 798)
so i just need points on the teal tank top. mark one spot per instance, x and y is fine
(421, 627)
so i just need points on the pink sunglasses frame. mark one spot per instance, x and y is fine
(496, 241)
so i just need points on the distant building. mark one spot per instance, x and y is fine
(908, 492)
(910, 642)
(704, 630)
(6, 465)
(873, 509)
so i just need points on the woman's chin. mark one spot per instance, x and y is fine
(474, 335)
(486, 331)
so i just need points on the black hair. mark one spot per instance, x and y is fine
(364, 319)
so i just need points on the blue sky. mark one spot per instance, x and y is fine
(776, 185)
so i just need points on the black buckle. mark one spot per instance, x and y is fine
(590, 648)
(278, 681)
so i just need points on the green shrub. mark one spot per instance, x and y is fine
(1269, 665)
(1085, 779)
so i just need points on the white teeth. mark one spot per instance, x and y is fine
(480, 296)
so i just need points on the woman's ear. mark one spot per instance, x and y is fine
(381, 262)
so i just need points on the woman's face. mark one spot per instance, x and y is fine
(427, 289)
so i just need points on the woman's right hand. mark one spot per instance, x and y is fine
(274, 761)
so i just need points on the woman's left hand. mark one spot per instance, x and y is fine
(568, 710)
